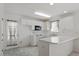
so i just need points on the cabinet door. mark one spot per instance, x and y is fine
(43, 48)
(63, 49)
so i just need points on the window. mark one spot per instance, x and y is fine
(12, 30)
(55, 26)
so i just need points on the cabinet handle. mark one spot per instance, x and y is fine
(2, 37)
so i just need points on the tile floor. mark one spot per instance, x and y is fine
(74, 54)
(27, 51)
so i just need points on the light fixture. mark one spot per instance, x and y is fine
(65, 11)
(42, 14)
(51, 2)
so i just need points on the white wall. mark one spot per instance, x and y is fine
(1, 15)
(66, 25)
(33, 22)
(26, 28)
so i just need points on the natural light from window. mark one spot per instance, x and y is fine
(54, 26)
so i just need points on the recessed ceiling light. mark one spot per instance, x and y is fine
(51, 2)
(42, 14)
(65, 11)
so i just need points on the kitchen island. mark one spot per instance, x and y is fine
(61, 45)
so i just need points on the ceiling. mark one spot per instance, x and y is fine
(28, 9)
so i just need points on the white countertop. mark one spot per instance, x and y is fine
(60, 38)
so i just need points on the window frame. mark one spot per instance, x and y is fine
(57, 25)
(10, 35)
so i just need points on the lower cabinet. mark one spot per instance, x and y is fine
(49, 49)
(43, 48)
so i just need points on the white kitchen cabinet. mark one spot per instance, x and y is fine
(54, 49)
(63, 49)
(43, 48)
